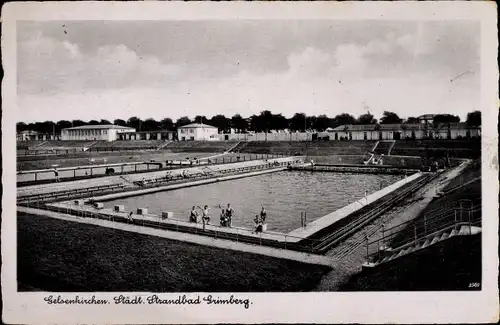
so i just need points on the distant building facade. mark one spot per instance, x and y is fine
(404, 131)
(107, 132)
(30, 135)
(147, 135)
(198, 132)
(426, 118)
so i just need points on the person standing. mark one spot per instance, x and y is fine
(229, 215)
(263, 215)
(205, 216)
(223, 220)
(193, 216)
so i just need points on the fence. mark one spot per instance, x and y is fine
(85, 172)
(238, 234)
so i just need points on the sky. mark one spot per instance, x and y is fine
(118, 69)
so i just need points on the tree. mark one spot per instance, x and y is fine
(76, 123)
(278, 122)
(321, 123)
(239, 123)
(412, 120)
(104, 122)
(184, 120)
(200, 119)
(221, 122)
(298, 122)
(366, 118)
(167, 124)
(120, 122)
(135, 122)
(445, 119)
(474, 118)
(343, 119)
(390, 118)
(62, 125)
(151, 124)
(21, 126)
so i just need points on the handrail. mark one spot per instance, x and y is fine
(419, 234)
(434, 233)
(360, 221)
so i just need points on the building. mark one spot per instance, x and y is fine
(27, 135)
(107, 132)
(426, 118)
(198, 132)
(404, 131)
(147, 135)
(30, 135)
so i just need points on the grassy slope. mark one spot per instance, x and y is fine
(449, 265)
(56, 255)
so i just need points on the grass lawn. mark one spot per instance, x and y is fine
(57, 255)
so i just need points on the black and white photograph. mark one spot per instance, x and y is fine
(257, 160)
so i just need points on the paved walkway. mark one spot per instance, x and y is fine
(126, 180)
(190, 238)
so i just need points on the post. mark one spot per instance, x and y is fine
(91, 172)
(455, 210)
(415, 233)
(366, 239)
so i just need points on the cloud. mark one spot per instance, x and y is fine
(48, 65)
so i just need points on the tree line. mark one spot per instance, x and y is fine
(266, 121)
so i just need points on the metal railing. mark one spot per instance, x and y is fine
(411, 232)
(238, 234)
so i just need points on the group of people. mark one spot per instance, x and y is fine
(226, 216)
(260, 221)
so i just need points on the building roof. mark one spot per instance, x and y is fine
(426, 116)
(397, 127)
(29, 132)
(377, 127)
(99, 127)
(196, 126)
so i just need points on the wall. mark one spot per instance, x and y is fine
(198, 134)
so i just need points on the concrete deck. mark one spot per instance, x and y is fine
(127, 180)
(191, 238)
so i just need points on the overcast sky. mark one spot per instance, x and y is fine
(111, 69)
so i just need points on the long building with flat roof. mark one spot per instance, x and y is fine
(107, 132)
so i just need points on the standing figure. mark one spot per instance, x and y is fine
(56, 175)
(263, 215)
(229, 215)
(205, 216)
(193, 215)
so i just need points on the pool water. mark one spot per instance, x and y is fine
(284, 195)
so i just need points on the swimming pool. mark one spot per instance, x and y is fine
(284, 195)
